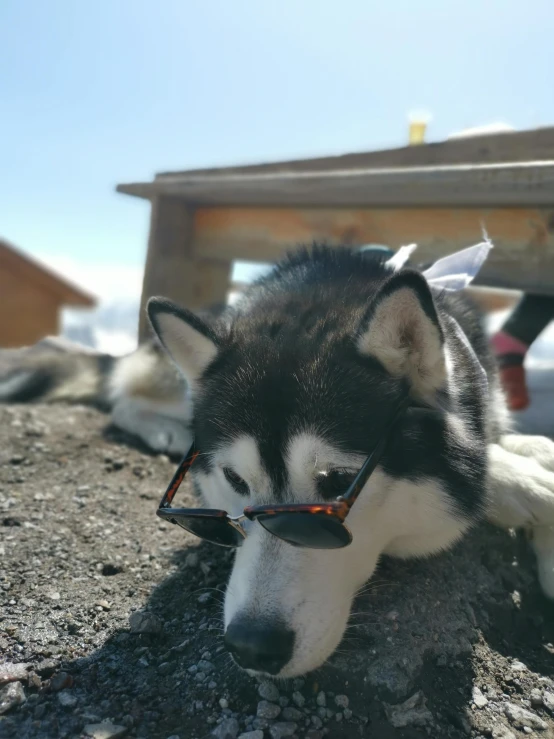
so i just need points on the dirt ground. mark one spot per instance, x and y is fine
(460, 645)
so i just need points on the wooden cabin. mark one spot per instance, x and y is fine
(31, 299)
(440, 196)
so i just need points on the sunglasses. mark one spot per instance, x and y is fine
(308, 525)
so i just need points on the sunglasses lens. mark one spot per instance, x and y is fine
(215, 530)
(309, 530)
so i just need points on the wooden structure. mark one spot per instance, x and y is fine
(440, 196)
(31, 298)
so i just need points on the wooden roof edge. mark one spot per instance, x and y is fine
(501, 146)
(455, 182)
(68, 293)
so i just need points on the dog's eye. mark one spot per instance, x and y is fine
(334, 483)
(236, 481)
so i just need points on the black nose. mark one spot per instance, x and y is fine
(260, 646)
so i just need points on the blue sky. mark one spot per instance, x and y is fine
(95, 93)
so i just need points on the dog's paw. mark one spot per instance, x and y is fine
(542, 540)
(161, 433)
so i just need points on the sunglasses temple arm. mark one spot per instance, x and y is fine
(353, 492)
(178, 477)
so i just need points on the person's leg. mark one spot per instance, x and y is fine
(530, 317)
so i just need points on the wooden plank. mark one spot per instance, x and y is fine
(523, 257)
(172, 270)
(519, 184)
(516, 146)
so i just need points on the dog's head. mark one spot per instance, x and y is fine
(290, 394)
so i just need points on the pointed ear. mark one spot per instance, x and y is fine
(402, 330)
(188, 340)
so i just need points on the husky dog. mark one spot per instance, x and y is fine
(291, 389)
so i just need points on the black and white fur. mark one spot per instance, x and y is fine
(291, 389)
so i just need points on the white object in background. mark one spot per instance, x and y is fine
(453, 272)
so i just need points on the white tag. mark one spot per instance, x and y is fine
(453, 272)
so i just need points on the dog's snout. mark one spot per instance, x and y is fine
(260, 646)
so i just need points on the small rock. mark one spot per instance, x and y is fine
(10, 696)
(227, 729)
(342, 701)
(548, 700)
(299, 699)
(224, 703)
(191, 560)
(321, 700)
(144, 622)
(292, 714)
(527, 730)
(104, 605)
(412, 712)
(521, 717)
(60, 681)
(536, 697)
(282, 729)
(502, 732)
(347, 713)
(12, 671)
(256, 734)
(105, 730)
(268, 691)
(518, 666)
(204, 598)
(67, 699)
(317, 722)
(478, 698)
(268, 710)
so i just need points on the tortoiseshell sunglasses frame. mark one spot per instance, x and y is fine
(337, 509)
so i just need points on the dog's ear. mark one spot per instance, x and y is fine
(401, 329)
(190, 342)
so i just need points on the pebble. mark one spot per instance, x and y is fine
(282, 729)
(144, 622)
(227, 729)
(191, 560)
(10, 672)
(268, 691)
(502, 732)
(204, 598)
(60, 681)
(413, 712)
(518, 666)
(268, 710)
(67, 699)
(105, 730)
(317, 722)
(10, 696)
(321, 700)
(224, 703)
(536, 697)
(298, 698)
(478, 698)
(256, 734)
(347, 713)
(205, 666)
(521, 717)
(292, 714)
(342, 701)
(548, 700)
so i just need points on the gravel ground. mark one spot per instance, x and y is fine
(110, 619)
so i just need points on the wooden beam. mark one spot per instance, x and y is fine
(516, 146)
(172, 271)
(468, 185)
(523, 257)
